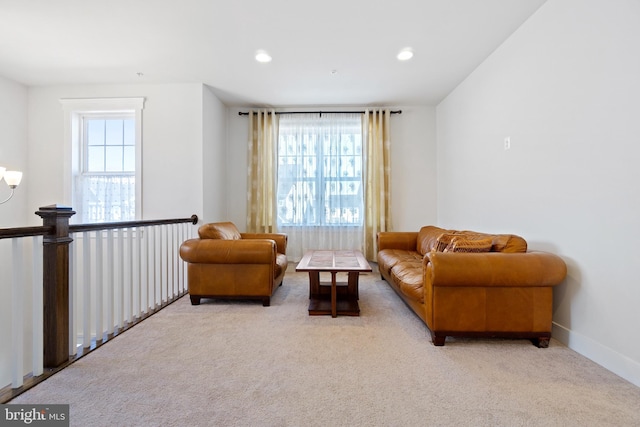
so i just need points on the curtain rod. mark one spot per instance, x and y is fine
(240, 113)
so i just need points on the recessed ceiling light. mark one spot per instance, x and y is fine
(405, 54)
(263, 56)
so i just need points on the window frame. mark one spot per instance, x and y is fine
(74, 110)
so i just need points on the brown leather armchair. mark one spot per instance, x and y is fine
(224, 263)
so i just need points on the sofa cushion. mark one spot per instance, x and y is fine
(501, 242)
(444, 241)
(281, 264)
(428, 237)
(508, 243)
(409, 278)
(219, 230)
(388, 258)
(465, 244)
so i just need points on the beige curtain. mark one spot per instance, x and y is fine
(377, 178)
(262, 171)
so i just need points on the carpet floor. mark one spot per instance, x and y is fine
(240, 364)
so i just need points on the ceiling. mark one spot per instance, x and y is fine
(325, 53)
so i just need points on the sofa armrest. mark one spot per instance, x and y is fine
(279, 238)
(404, 240)
(494, 269)
(220, 251)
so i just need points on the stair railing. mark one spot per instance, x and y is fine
(85, 284)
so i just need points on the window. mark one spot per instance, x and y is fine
(107, 181)
(320, 170)
(105, 145)
(109, 143)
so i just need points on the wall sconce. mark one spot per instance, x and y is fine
(12, 178)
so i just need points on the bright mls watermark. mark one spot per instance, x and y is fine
(34, 415)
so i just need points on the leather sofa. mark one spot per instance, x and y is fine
(224, 263)
(469, 284)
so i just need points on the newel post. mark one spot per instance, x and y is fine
(55, 281)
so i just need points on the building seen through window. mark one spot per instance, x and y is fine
(320, 170)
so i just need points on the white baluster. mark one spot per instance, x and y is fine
(148, 261)
(151, 276)
(73, 295)
(135, 281)
(86, 290)
(99, 310)
(120, 280)
(17, 322)
(37, 307)
(179, 260)
(161, 265)
(129, 275)
(109, 281)
(172, 259)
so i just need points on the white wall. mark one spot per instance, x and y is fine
(413, 165)
(13, 150)
(172, 147)
(565, 88)
(238, 128)
(413, 168)
(13, 156)
(214, 163)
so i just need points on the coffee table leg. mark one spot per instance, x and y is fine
(314, 284)
(352, 289)
(334, 310)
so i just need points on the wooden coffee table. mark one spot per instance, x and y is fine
(333, 297)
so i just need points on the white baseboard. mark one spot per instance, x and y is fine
(615, 362)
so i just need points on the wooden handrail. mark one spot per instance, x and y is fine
(76, 228)
(10, 233)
